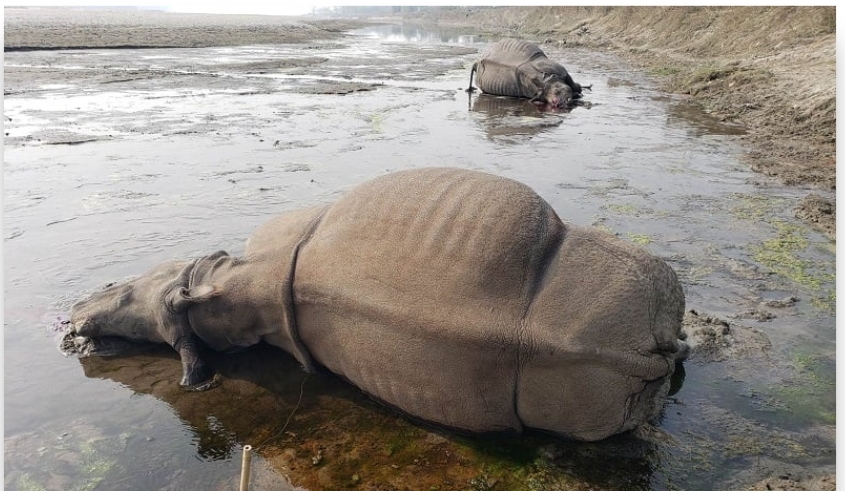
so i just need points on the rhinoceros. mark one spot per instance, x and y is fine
(517, 68)
(457, 296)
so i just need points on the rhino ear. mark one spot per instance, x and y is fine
(181, 298)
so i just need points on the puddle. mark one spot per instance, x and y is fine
(182, 152)
(689, 115)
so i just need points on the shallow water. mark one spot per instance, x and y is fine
(116, 160)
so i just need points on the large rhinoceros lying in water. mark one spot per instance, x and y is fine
(456, 296)
(517, 68)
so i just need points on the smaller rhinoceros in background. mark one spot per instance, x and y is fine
(517, 68)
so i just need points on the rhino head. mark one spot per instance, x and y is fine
(553, 92)
(149, 309)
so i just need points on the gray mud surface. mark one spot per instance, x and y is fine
(118, 159)
(40, 28)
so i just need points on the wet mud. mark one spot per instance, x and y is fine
(116, 160)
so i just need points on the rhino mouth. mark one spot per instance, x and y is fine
(72, 344)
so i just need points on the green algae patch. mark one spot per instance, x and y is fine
(83, 465)
(667, 70)
(633, 211)
(790, 254)
(640, 239)
(811, 394)
(520, 467)
(622, 209)
(827, 303)
(499, 463)
(754, 207)
(781, 255)
(604, 228)
(25, 483)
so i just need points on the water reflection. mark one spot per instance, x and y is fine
(221, 417)
(303, 423)
(689, 115)
(415, 34)
(512, 120)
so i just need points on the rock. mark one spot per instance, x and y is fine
(714, 340)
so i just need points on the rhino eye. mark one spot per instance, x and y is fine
(109, 285)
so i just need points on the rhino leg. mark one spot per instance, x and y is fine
(196, 374)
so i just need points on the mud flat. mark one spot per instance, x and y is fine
(35, 28)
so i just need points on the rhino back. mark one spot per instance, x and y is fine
(280, 236)
(414, 286)
(513, 52)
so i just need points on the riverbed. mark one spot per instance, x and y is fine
(118, 159)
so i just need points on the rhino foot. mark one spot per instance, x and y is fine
(196, 375)
(683, 351)
(209, 384)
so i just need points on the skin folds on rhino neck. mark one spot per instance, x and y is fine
(252, 303)
(224, 302)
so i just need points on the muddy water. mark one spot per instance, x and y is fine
(115, 160)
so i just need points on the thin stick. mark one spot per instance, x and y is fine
(301, 391)
(245, 468)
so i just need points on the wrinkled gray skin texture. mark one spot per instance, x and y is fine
(457, 296)
(517, 68)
